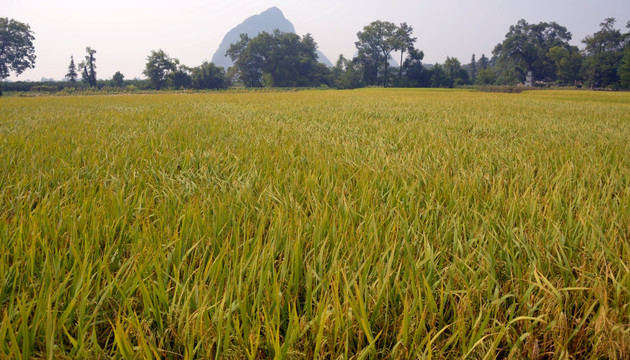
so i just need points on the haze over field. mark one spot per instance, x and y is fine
(123, 33)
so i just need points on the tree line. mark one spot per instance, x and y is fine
(161, 71)
(541, 51)
(537, 53)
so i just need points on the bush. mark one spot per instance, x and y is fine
(510, 89)
(44, 88)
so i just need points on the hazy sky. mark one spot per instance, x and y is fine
(123, 33)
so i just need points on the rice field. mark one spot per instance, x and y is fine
(368, 224)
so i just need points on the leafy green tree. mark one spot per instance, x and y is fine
(508, 73)
(209, 76)
(291, 60)
(486, 77)
(416, 75)
(369, 68)
(473, 69)
(17, 52)
(320, 75)
(455, 74)
(624, 69)
(158, 67)
(346, 74)
(568, 62)
(483, 62)
(403, 41)
(72, 71)
(376, 42)
(181, 77)
(526, 46)
(247, 65)
(117, 79)
(339, 67)
(88, 67)
(439, 78)
(604, 51)
(451, 68)
(276, 59)
(84, 73)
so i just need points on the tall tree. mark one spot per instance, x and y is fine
(118, 79)
(604, 51)
(455, 74)
(247, 65)
(403, 41)
(473, 69)
(486, 77)
(16, 48)
(376, 42)
(368, 67)
(439, 78)
(208, 76)
(416, 75)
(290, 60)
(88, 67)
(624, 70)
(84, 72)
(568, 62)
(483, 62)
(72, 71)
(276, 59)
(181, 77)
(159, 65)
(346, 74)
(526, 46)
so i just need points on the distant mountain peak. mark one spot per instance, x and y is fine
(273, 9)
(267, 21)
(272, 14)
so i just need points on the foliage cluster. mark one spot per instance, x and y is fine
(162, 70)
(16, 48)
(26, 86)
(544, 50)
(87, 67)
(278, 59)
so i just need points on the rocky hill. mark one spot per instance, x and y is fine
(268, 21)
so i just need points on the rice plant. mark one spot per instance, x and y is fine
(369, 224)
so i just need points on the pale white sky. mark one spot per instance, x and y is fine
(123, 32)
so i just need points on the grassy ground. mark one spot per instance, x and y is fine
(327, 224)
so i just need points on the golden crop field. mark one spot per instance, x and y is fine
(375, 223)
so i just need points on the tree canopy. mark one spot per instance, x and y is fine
(17, 52)
(604, 52)
(72, 71)
(159, 65)
(118, 79)
(526, 47)
(88, 67)
(276, 59)
(415, 74)
(208, 76)
(624, 69)
(279, 59)
(403, 41)
(375, 43)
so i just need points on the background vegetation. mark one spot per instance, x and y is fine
(285, 60)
